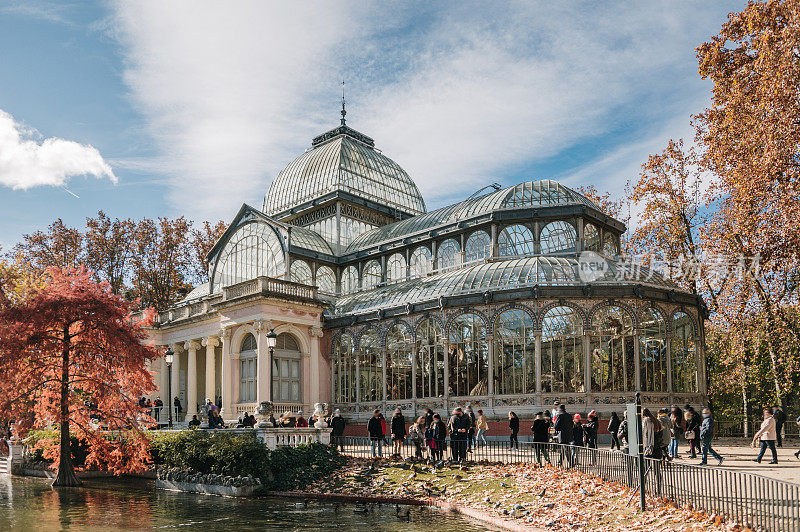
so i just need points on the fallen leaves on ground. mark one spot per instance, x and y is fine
(537, 496)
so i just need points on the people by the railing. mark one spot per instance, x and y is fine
(666, 432)
(706, 436)
(780, 418)
(178, 408)
(271, 420)
(692, 433)
(428, 418)
(541, 435)
(194, 423)
(417, 434)
(591, 428)
(439, 437)
(471, 432)
(676, 431)
(613, 427)
(459, 426)
(767, 434)
(337, 424)
(557, 408)
(158, 405)
(376, 428)
(246, 421)
(651, 434)
(513, 425)
(398, 432)
(562, 423)
(215, 421)
(301, 422)
(286, 421)
(482, 427)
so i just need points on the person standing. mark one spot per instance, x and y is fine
(301, 422)
(622, 433)
(613, 427)
(337, 430)
(398, 432)
(706, 436)
(428, 418)
(666, 432)
(178, 408)
(513, 424)
(780, 419)
(375, 428)
(471, 433)
(541, 435)
(459, 426)
(692, 433)
(678, 428)
(417, 434)
(578, 439)
(439, 437)
(651, 434)
(563, 431)
(482, 426)
(768, 434)
(591, 430)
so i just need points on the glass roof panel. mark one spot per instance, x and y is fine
(308, 239)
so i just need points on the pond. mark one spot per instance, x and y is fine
(133, 504)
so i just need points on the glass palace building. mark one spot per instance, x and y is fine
(378, 302)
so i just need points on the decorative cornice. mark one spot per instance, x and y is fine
(315, 332)
(191, 345)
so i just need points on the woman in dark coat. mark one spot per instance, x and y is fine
(513, 424)
(692, 433)
(591, 430)
(613, 427)
(541, 435)
(439, 437)
(398, 432)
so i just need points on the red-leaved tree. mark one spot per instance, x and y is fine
(71, 356)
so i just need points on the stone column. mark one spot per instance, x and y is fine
(163, 389)
(176, 379)
(315, 334)
(210, 343)
(225, 374)
(264, 364)
(191, 377)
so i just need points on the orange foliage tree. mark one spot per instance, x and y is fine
(70, 355)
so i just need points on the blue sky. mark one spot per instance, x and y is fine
(191, 108)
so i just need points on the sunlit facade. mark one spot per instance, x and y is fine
(382, 303)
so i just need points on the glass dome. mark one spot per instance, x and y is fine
(343, 160)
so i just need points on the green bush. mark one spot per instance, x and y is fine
(79, 449)
(230, 454)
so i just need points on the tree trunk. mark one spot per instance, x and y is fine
(66, 470)
(743, 384)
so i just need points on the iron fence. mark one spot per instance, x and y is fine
(752, 500)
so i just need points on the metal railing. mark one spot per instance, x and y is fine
(752, 500)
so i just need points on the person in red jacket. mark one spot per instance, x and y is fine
(301, 421)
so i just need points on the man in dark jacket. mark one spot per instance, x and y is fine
(337, 430)
(471, 433)
(459, 429)
(706, 435)
(541, 435)
(780, 419)
(376, 435)
(563, 428)
(398, 432)
(439, 437)
(428, 417)
(613, 427)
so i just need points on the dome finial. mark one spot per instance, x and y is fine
(343, 111)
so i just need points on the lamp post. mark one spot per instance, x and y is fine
(168, 359)
(272, 340)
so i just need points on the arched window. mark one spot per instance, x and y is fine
(248, 361)
(611, 346)
(447, 255)
(468, 356)
(430, 363)
(478, 247)
(371, 276)
(300, 272)
(399, 382)
(350, 280)
(558, 237)
(286, 370)
(326, 280)
(515, 241)
(515, 353)
(370, 367)
(253, 250)
(684, 354)
(652, 352)
(610, 246)
(562, 351)
(421, 263)
(344, 370)
(592, 238)
(395, 268)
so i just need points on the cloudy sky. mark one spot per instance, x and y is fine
(191, 108)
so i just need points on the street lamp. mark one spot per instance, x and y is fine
(168, 359)
(272, 340)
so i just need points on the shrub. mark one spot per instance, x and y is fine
(38, 440)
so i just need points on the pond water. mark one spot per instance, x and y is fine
(131, 504)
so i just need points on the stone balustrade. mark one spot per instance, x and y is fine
(292, 437)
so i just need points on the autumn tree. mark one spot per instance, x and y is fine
(71, 355)
(200, 243)
(161, 261)
(109, 249)
(59, 246)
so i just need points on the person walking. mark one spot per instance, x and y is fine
(481, 426)
(622, 433)
(417, 434)
(613, 427)
(666, 432)
(707, 429)
(471, 433)
(780, 419)
(591, 430)
(768, 434)
(398, 432)
(337, 430)
(541, 435)
(439, 437)
(692, 433)
(375, 428)
(459, 426)
(513, 424)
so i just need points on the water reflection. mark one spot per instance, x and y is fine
(113, 504)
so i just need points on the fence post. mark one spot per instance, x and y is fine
(640, 452)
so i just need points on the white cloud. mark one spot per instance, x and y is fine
(460, 97)
(25, 162)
